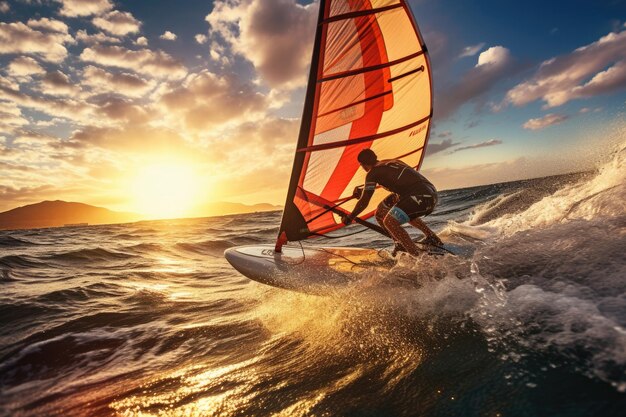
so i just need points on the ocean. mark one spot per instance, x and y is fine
(148, 319)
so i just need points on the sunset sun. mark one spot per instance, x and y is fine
(165, 190)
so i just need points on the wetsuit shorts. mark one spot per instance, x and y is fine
(409, 207)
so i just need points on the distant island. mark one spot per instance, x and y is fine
(60, 213)
(71, 214)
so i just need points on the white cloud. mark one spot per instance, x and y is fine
(434, 148)
(493, 65)
(545, 121)
(74, 8)
(102, 82)
(207, 100)
(142, 41)
(18, 38)
(24, 66)
(11, 117)
(144, 61)
(117, 23)
(471, 50)
(4, 7)
(201, 39)
(168, 36)
(46, 24)
(275, 35)
(56, 83)
(492, 142)
(56, 107)
(564, 78)
(496, 55)
(96, 38)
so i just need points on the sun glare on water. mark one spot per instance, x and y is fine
(163, 191)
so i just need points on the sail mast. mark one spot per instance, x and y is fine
(290, 212)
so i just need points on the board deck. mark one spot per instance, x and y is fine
(314, 270)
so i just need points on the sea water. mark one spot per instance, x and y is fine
(148, 319)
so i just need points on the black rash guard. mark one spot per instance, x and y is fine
(394, 176)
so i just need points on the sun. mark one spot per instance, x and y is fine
(165, 190)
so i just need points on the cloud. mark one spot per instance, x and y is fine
(65, 107)
(585, 110)
(207, 100)
(488, 143)
(545, 121)
(121, 110)
(276, 36)
(471, 50)
(144, 61)
(50, 25)
(201, 39)
(104, 82)
(564, 78)
(74, 8)
(56, 83)
(11, 118)
(24, 66)
(168, 36)
(493, 65)
(131, 139)
(18, 38)
(30, 139)
(494, 56)
(142, 41)
(434, 148)
(96, 38)
(4, 7)
(263, 174)
(118, 23)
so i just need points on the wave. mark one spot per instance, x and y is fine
(205, 246)
(20, 261)
(558, 258)
(9, 241)
(89, 255)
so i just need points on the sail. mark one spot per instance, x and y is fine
(369, 87)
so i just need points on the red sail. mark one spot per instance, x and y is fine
(369, 87)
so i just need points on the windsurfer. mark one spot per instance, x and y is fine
(413, 196)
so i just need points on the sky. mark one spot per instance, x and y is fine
(163, 107)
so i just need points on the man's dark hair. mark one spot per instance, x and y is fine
(367, 157)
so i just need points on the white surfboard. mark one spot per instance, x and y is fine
(312, 270)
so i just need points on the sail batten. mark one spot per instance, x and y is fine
(372, 68)
(370, 138)
(369, 87)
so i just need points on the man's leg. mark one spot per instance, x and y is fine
(384, 207)
(381, 212)
(419, 223)
(400, 235)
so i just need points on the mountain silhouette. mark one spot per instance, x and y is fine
(59, 213)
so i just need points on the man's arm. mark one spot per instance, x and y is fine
(366, 196)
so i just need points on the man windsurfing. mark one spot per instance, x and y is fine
(413, 196)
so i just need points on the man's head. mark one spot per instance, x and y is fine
(367, 158)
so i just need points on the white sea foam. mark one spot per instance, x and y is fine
(561, 261)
